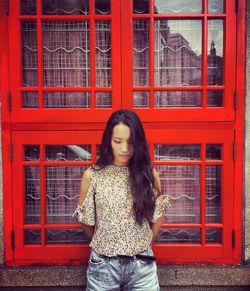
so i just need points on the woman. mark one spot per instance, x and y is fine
(121, 209)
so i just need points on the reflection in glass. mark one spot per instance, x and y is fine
(215, 98)
(215, 52)
(29, 53)
(182, 185)
(141, 6)
(213, 235)
(30, 99)
(183, 152)
(178, 235)
(32, 195)
(28, 7)
(68, 152)
(103, 99)
(65, 236)
(66, 99)
(215, 6)
(213, 151)
(141, 99)
(31, 152)
(140, 53)
(65, 7)
(62, 192)
(213, 193)
(177, 55)
(177, 7)
(102, 7)
(177, 99)
(32, 236)
(66, 53)
(103, 54)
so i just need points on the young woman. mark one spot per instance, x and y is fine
(121, 209)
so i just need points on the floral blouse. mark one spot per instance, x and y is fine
(109, 207)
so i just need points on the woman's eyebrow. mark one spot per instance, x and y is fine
(117, 137)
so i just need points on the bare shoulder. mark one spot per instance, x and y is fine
(87, 175)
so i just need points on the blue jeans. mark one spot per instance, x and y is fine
(117, 273)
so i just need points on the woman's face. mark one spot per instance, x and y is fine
(121, 145)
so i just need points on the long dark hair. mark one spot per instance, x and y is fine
(141, 176)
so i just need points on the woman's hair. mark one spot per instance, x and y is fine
(141, 176)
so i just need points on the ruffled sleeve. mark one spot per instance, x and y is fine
(161, 203)
(85, 213)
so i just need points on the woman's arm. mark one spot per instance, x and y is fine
(88, 229)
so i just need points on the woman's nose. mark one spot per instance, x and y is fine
(125, 147)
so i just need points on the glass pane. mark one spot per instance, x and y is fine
(215, 98)
(103, 54)
(182, 185)
(164, 152)
(140, 53)
(31, 153)
(65, 7)
(177, 53)
(215, 52)
(141, 99)
(32, 195)
(30, 99)
(102, 7)
(66, 99)
(65, 236)
(177, 7)
(103, 99)
(62, 192)
(213, 193)
(213, 235)
(178, 235)
(28, 7)
(29, 53)
(66, 53)
(213, 151)
(68, 152)
(215, 6)
(177, 99)
(32, 236)
(141, 6)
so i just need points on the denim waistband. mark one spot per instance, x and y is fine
(138, 256)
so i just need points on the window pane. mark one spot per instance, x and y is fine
(177, 7)
(177, 52)
(68, 152)
(30, 99)
(177, 152)
(32, 195)
(177, 99)
(141, 99)
(29, 53)
(31, 153)
(66, 53)
(140, 53)
(215, 52)
(213, 193)
(65, 7)
(215, 98)
(32, 236)
(213, 235)
(28, 7)
(62, 192)
(213, 151)
(103, 99)
(102, 7)
(215, 6)
(103, 54)
(141, 6)
(178, 235)
(66, 99)
(182, 185)
(65, 236)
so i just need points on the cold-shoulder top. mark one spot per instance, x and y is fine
(108, 206)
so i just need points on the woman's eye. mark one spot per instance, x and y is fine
(116, 141)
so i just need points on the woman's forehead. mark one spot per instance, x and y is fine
(121, 131)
